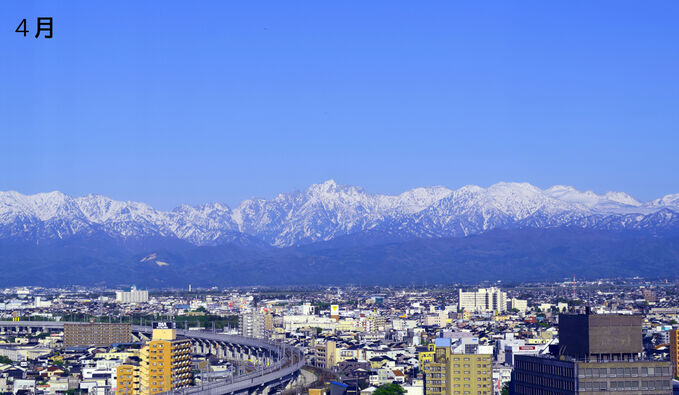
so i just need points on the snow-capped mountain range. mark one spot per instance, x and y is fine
(329, 210)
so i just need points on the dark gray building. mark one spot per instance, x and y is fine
(550, 376)
(600, 336)
(598, 354)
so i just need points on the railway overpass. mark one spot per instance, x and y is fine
(276, 364)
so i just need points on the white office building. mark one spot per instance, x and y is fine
(485, 300)
(133, 296)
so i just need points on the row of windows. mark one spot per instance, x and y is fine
(563, 370)
(548, 382)
(625, 385)
(624, 372)
(484, 358)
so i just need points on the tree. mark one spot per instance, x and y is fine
(505, 389)
(389, 389)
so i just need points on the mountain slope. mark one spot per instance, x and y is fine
(509, 255)
(327, 211)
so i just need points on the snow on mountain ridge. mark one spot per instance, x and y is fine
(327, 210)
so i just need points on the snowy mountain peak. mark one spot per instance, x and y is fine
(610, 202)
(330, 188)
(622, 197)
(328, 210)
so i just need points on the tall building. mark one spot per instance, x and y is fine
(132, 296)
(448, 373)
(165, 364)
(484, 300)
(597, 353)
(600, 336)
(674, 351)
(253, 324)
(540, 375)
(127, 380)
(325, 355)
(96, 334)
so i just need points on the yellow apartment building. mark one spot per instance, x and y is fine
(165, 365)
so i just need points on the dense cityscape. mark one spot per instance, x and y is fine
(618, 335)
(339, 197)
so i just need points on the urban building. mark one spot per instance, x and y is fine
(484, 300)
(448, 373)
(650, 295)
(674, 351)
(517, 304)
(127, 380)
(165, 364)
(600, 336)
(334, 312)
(534, 375)
(597, 353)
(96, 334)
(133, 296)
(325, 355)
(253, 324)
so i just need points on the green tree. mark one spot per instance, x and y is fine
(389, 389)
(505, 389)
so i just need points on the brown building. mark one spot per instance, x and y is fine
(96, 334)
(650, 295)
(600, 336)
(597, 354)
(674, 351)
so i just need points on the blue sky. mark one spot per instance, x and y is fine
(170, 102)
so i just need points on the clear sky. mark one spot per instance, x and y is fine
(175, 101)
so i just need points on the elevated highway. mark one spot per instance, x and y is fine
(276, 365)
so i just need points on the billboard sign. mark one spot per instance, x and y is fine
(165, 325)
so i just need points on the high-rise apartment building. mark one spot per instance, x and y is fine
(253, 324)
(165, 365)
(484, 300)
(127, 380)
(458, 374)
(133, 296)
(96, 334)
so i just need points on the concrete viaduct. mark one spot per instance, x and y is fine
(276, 365)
